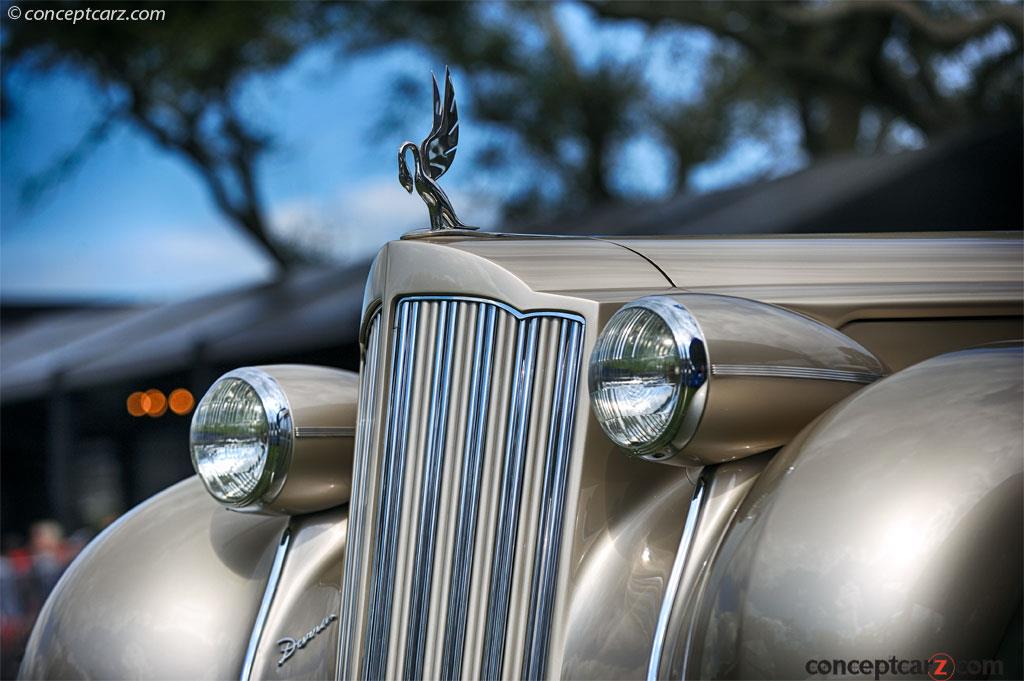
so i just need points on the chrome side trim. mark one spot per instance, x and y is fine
(325, 431)
(669, 599)
(268, 597)
(549, 538)
(813, 373)
(508, 506)
(357, 524)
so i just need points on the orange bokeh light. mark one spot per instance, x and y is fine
(155, 403)
(137, 403)
(181, 401)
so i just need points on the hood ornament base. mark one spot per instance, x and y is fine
(432, 158)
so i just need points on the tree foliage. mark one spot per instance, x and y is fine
(178, 81)
(849, 74)
(837, 60)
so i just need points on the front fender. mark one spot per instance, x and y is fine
(172, 590)
(891, 528)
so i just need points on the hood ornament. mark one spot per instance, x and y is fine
(432, 158)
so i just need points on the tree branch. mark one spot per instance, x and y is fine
(945, 34)
(246, 213)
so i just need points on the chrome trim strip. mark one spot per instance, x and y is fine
(669, 599)
(496, 303)
(325, 431)
(268, 597)
(549, 536)
(508, 505)
(357, 527)
(813, 373)
(426, 532)
(469, 495)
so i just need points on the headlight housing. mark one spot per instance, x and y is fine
(242, 438)
(648, 377)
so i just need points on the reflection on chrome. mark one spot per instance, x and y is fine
(685, 545)
(479, 410)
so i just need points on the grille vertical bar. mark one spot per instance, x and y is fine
(456, 523)
(511, 493)
(552, 502)
(351, 603)
(469, 494)
(425, 535)
(391, 497)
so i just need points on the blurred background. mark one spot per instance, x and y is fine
(184, 195)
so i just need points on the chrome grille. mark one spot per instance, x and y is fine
(352, 596)
(456, 522)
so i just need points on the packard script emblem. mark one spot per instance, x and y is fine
(433, 157)
(288, 646)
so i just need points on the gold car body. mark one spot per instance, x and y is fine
(831, 520)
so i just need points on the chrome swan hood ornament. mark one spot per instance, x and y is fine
(433, 157)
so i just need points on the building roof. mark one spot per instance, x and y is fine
(306, 310)
(969, 181)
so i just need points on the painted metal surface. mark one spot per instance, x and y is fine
(704, 262)
(782, 369)
(307, 599)
(269, 591)
(509, 273)
(323, 403)
(725, 487)
(171, 590)
(630, 529)
(892, 527)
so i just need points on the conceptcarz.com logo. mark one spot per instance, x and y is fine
(939, 667)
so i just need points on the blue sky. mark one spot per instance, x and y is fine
(133, 223)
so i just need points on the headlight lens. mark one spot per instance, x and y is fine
(241, 438)
(647, 372)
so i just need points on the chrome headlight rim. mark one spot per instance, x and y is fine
(280, 439)
(691, 349)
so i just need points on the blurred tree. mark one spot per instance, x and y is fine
(935, 65)
(561, 120)
(849, 73)
(853, 72)
(178, 81)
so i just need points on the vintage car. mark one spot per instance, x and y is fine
(747, 457)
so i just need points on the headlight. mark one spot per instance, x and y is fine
(648, 374)
(277, 439)
(241, 438)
